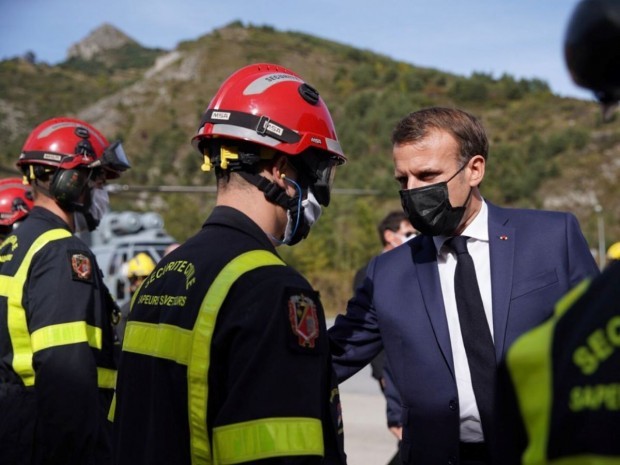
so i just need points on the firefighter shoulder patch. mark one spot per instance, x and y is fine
(81, 266)
(303, 317)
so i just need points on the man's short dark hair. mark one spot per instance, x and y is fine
(466, 129)
(391, 222)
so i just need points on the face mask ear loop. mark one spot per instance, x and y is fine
(459, 170)
(286, 240)
(471, 189)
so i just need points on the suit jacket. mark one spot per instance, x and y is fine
(536, 257)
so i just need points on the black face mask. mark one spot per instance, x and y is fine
(429, 209)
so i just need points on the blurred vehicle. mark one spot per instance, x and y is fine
(120, 237)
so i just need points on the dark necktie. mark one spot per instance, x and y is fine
(475, 330)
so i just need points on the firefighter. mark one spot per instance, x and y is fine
(613, 253)
(566, 372)
(56, 369)
(225, 357)
(15, 204)
(138, 268)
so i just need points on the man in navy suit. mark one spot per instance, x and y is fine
(524, 261)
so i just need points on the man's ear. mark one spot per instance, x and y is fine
(388, 236)
(477, 165)
(278, 170)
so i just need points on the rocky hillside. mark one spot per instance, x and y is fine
(105, 38)
(546, 151)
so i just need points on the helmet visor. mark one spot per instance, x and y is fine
(317, 171)
(113, 160)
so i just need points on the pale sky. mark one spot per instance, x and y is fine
(520, 37)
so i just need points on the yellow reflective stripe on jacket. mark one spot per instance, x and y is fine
(64, 334)
(112, 411)
(106, 378)
(158, 340)
(12, 287)
(530, 363)
(192, 347)
(571, 297)
(531, 375)
(200, 355)
(270, 437)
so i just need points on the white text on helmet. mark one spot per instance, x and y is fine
(275, 77)
(51, 156)
(258, 86)
(316, 140)
(223, 115)
(275, 129)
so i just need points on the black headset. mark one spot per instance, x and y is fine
(66, 187)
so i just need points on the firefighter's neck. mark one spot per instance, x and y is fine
(248, 199)
(253, 204)
(43, 201)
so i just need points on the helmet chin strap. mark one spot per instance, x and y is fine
(296, 229)
(275, 194)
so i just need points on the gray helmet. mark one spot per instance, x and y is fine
(592, 48)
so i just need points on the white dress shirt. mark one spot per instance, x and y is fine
(478, 247)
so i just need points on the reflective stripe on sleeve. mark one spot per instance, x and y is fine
(270, 437)
(197, 371)
(64, 334)
(193, 347)
(530, 363)
(12, 287)
(571, 297)
(158, 340)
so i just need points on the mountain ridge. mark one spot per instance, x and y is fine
(545, 151)
(103, 38)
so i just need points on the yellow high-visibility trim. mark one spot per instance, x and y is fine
(200, 354)
(12, 287)
(530, 363)
(571, 297)
(63, 334)
(158, 340)
(265, 438)
(112, 410)
(106, 378)
(192, 347)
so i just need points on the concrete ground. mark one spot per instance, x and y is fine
(367, 440)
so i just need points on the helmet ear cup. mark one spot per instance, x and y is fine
(67, 186)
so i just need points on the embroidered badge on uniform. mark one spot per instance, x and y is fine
(81, 266)
(304, 320)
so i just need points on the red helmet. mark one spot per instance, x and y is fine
(15, 201)
(67, 143)
(271, 106)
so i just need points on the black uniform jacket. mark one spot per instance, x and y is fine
(52, 409)
(261, 366)
(566, 374)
